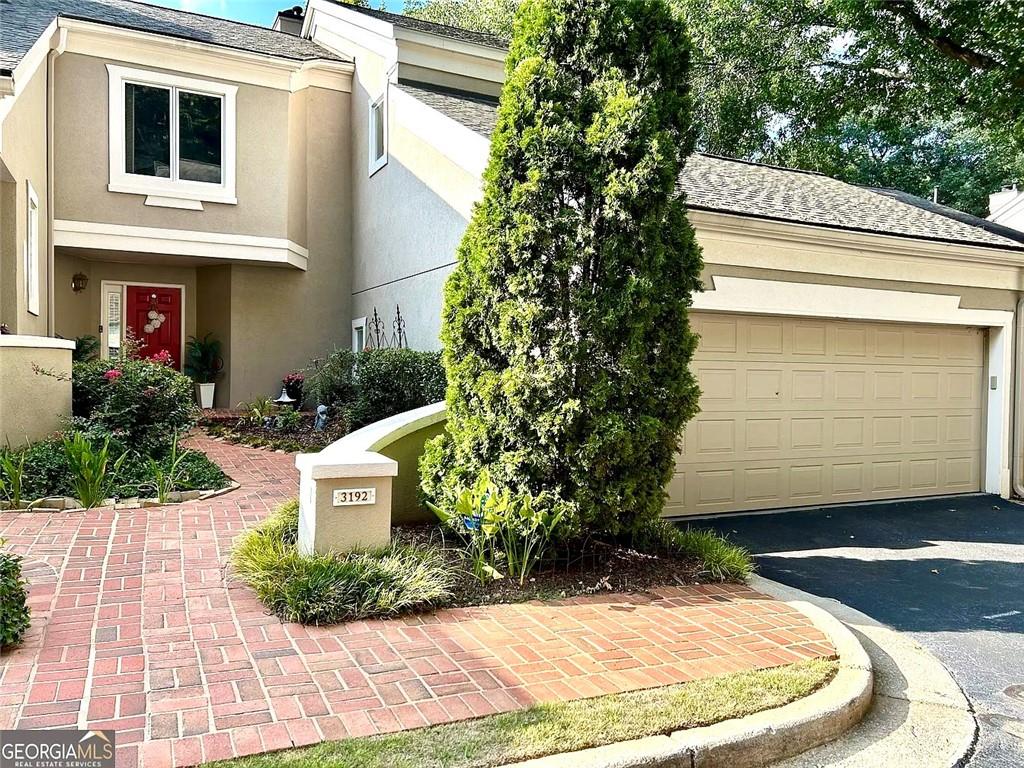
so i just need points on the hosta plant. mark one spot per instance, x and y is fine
(502, 530)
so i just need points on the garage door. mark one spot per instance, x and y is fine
(802, 412)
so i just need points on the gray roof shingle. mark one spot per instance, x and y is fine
(23, 21)
(769, 192)
(430, 27)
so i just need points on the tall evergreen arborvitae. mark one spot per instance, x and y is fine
(565, 321)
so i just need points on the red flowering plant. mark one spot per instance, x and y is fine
(163, 357)
(293, 384)
(113, 374)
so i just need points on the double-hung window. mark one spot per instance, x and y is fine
(171, 136)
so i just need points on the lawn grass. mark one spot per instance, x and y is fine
(562, 727)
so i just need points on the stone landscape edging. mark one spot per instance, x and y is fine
(757, 739)
(37, 506)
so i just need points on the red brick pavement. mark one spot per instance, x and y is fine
(136, 627)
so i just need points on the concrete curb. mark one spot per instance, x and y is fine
(754, 740)
(920, 718)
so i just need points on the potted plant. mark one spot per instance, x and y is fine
(203, 365)
(293, 384)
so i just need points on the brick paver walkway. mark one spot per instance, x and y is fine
(137, 627)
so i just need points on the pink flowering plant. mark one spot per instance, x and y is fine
(140, 402)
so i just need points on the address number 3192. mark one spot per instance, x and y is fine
(351, 497)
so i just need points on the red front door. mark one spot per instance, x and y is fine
(154, 317)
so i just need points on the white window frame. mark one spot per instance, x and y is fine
(130, 183)
(375, 163)
(358, 327)
(31, 249)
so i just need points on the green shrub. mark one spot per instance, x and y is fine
(720, 559)
(331, 381)
(140, 403)
(14, 611)
(564, 328)
(500, 531)
(392, 381)
(47, 472)
(376, 383)
(327, 589)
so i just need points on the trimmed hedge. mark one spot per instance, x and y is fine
(376, 383)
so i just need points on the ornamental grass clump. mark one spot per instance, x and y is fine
(721, 560)
(336, 587)
(565, 332)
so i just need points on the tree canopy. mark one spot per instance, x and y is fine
(564, 328)
(889, 91)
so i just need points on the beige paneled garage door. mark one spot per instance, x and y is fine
(799, 412)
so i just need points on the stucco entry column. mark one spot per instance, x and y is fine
(348, 491)
(344, 504)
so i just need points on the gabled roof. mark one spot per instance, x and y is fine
(430, 27)
(953, 213)
(23, 21)
(727, 185)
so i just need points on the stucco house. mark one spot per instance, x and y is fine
(277, 186)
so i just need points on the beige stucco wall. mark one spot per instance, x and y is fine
(213, 315)
(82, 155)
(405, 490)
(23, 159)
(32, 403)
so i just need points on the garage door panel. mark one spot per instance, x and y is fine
(798, 411)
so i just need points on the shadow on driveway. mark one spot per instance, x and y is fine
(953, 564)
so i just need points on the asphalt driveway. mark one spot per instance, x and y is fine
(950, 572)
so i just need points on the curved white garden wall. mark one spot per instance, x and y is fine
(352, 491)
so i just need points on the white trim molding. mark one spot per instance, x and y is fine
(752, 296)
(463, 146)
(35, 342)
(149, 49)
(122, 181)
(180, 242)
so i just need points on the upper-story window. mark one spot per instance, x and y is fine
(171, 137)
(378, 132)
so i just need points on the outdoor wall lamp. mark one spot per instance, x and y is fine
(79, 281)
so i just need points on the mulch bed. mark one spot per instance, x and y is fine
(300, 439)
(592, 568)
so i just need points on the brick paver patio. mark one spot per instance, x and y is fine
(137, 627)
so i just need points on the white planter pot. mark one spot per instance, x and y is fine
(204, 394)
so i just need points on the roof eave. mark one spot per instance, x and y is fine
(968, 250)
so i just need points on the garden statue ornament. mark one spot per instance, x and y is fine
(321, 418)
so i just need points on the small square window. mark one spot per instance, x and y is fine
(358, 334)
(378, 134)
